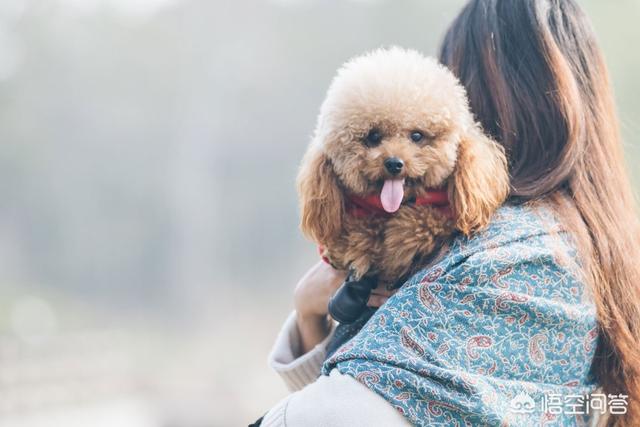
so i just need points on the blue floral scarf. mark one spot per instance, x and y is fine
(501, 331)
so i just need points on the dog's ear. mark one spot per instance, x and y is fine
(480, 182)
(321, 200)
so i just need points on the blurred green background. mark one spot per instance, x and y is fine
(148, 225)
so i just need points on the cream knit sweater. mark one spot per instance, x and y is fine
(321, 401)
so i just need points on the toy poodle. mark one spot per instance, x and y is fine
(397, 164)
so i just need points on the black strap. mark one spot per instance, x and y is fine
(257, 423)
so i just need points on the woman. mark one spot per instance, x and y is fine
(543, 305)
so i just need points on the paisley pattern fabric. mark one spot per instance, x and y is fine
(485, 335)
(344, 332)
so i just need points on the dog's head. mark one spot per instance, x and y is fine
(395, 123)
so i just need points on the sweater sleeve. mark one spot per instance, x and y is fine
(297, 370)
(336, 400)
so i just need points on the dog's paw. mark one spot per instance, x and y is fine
(335, 257)
(359, 267)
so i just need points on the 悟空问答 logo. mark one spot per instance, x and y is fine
(522, 404)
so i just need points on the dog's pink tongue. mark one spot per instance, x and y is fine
(391, 194)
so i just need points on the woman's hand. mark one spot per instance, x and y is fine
(380, 295)
(311, 301)
(317, 286)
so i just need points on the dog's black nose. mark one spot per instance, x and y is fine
(394, 165)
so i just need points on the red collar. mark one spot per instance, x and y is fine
(361, 207)
(371, 206)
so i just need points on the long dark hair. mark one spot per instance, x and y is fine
(537, 81)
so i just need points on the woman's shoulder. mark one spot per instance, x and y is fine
(524, 244)
(512, 223)
(516, 231)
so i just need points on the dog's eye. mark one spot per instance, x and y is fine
(417, 136)
(373, 137)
